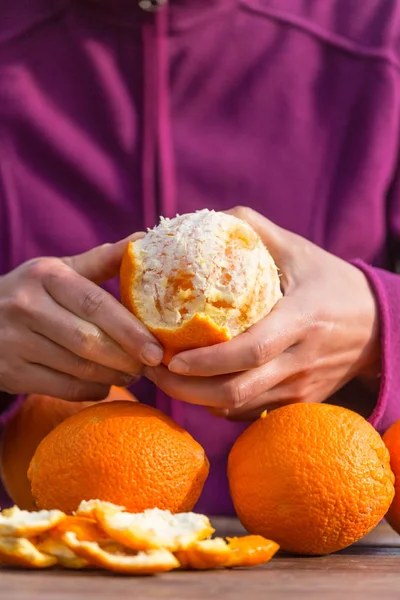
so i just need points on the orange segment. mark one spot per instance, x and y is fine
(114, 557)
(21, 552)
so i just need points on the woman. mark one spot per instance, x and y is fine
(111, 114)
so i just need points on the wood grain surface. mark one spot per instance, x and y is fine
(369, 570)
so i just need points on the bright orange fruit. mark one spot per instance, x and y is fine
(313, 477)
(392, 441)
(121, 452)
(37, 416)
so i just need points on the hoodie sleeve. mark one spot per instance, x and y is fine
(386, 286)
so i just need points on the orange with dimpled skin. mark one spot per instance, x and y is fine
(392, 441)
(36, 417)
(313, 477)
(122, 452)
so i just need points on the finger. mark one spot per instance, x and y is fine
(225, 391)
(42, 380)
(84, 339)
(101, 263)
(261, 343)
(97, 307)
(42, 351)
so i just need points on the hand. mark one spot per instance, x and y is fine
(64, 336)
(320, 335)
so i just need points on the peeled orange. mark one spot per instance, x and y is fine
(198, 279)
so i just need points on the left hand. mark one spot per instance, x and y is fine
(323, 333)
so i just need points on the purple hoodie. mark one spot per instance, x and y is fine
(111, 116)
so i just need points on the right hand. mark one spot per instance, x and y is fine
(62, 335)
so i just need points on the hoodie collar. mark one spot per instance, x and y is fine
(181, 13)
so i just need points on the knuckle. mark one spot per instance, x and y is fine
(85, 341)
(234, 395)
(84, 369)
(77, 390)
(74, 390)
(20, 302)
(260, 352)
(319, 325)
(38, 268)
(91, 303)
(259, 349)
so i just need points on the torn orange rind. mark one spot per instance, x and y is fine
(154, 528)
(63, 555)
(115, 557)
(217, 553)
(21, 552)
(22, 523)
(88, 507)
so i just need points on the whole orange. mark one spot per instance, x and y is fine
(36, 417)
(121, 452)
(392, 441)
(312, 477)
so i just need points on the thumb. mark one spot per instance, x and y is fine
(101, 263)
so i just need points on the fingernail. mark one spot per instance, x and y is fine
(177, 365)
(152, 354)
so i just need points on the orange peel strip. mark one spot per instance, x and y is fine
(85, 529)
(21, 552)
(87, 508)
(114, 557)
(62, 553)
(246, 551)
(21, 523)
(154, 528)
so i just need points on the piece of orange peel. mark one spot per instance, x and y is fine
(153, 528)
(87, 508)
(22, 523)
(21, 552)
(84, 528)
(105, 536)
(247, 551)
(115, 557)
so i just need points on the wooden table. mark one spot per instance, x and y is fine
(368, 570)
